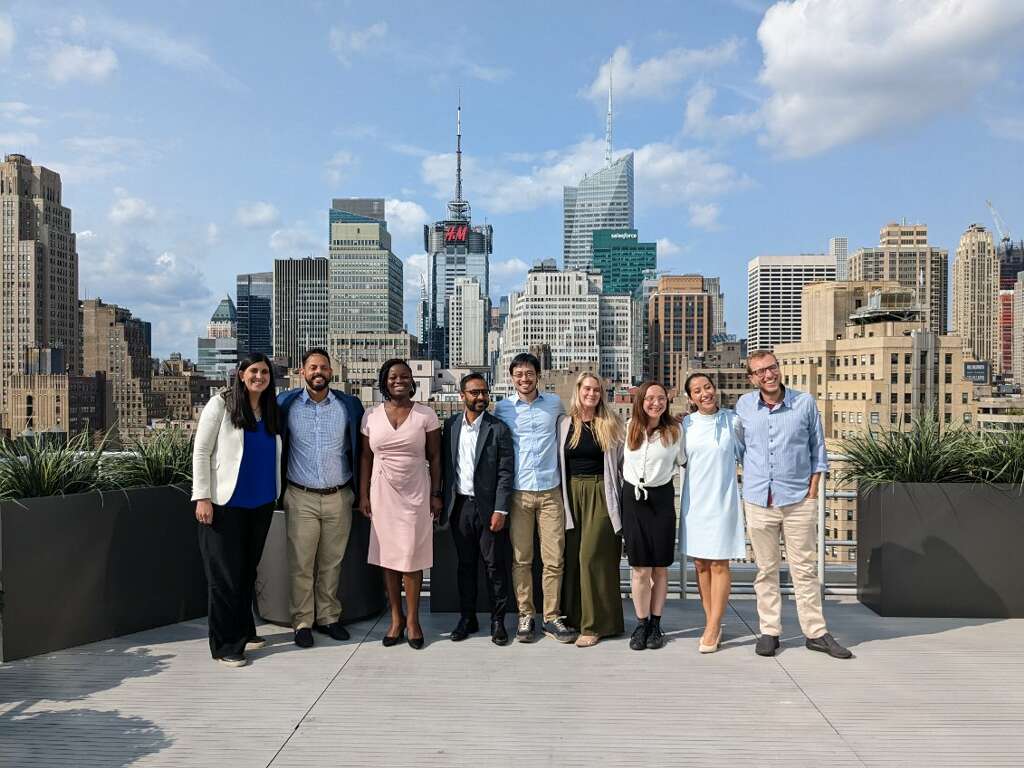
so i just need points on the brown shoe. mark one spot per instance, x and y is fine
(586, 641)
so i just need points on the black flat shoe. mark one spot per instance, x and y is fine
(499, 635)
(466, 627)
(766, 645)
(387, 641)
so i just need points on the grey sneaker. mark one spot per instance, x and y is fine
(827, 644)
(557, 629)
(525, 633)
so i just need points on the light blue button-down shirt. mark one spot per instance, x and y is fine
(784, 446)
(318, 453)
(533, 436)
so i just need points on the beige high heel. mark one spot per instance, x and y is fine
(711, 648)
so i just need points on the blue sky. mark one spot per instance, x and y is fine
(199, 140)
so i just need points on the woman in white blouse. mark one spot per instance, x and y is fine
(655, 450)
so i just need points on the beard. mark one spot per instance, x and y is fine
(317, 382)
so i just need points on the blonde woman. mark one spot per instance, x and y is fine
(590, 457)
(655, 450)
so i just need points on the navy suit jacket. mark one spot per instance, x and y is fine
(354, 410)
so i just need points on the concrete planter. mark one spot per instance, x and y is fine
(941, 550)
(87, 567)
(360, 588)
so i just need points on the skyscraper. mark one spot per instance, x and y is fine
(455, 248)
(713, 287)
(300, 307)
(38, 268)
(622, 259)
(468, 313)
(1018, 329)
(1011, 264)
(602, 200)
(365, 277)
(679, 326)
(838, 247)
(976, 295)
(774, 285)
(254, 302)
(217, 352)
(903, 254)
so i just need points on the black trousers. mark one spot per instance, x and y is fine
(473, 541)
(232, 546)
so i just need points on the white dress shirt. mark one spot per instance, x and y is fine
(466, 463)
(653, 463)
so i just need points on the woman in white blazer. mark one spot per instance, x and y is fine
(236, 481)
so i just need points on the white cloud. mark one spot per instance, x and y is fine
(129, 210)
(840, 71)
(405, 218)
(297, 241)
(256, 214)
(414, 270)
(339, 162)
(667, 248)
(704, 216)
(1007, 127)
(653, 78)
(509, 268)
(347, 42)
(105, 145)
(6, 36)
(212, 234)
(74, 62)
(701, 124)
(18, 112)
(15, 142)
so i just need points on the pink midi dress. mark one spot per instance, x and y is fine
(401, 529)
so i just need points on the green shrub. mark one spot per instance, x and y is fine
(162, 458)
(44, 466)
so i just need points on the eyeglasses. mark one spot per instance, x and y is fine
(478, 392)
(760, 372)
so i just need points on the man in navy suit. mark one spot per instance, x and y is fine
(320, 463)
(479, 474)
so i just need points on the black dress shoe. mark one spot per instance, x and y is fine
(827, 644)
(499, 636)
(416, 643)
(766, 645)
(387, 641)
(467, 626)
(334, 630)
(304, 638)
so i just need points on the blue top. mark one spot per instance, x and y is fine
(534, 438)
(711, 520)
(318, 454)
(785, 445)
(257, 476)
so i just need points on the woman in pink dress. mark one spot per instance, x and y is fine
(400, 494)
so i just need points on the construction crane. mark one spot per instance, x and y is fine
(1001, 228)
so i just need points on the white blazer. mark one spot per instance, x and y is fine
(217, 455)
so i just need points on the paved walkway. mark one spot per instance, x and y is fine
(919, 692)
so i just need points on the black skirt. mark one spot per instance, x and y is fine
(649, 526)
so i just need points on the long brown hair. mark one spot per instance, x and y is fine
(667, 425)
(606, 424)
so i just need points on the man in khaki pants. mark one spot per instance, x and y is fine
(537, 499)
(320, 459)
(783, 463)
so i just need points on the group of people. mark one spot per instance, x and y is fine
(581, 484)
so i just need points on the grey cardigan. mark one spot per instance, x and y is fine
(612, 476)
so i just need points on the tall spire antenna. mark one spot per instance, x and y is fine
(608, 122)
(458, 208)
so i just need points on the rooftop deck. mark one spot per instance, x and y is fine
(919, 692)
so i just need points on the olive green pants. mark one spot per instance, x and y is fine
(591, 597)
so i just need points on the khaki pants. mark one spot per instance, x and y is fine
(318, 529)
(798, 523)
(543, 511)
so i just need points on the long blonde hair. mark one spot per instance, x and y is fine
(607, 426)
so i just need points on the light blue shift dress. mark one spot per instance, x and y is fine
(712, 518)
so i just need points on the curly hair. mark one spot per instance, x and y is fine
(382, 377)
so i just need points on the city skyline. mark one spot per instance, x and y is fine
(737, 156)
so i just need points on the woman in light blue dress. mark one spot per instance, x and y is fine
(711, 520)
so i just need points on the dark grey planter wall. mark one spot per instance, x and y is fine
(360, 588)
(77, 569)
(944, 550)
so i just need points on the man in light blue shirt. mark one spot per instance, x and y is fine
(320, 459)
(536, 503)
(784, 460)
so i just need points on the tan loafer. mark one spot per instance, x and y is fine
(585, 641)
